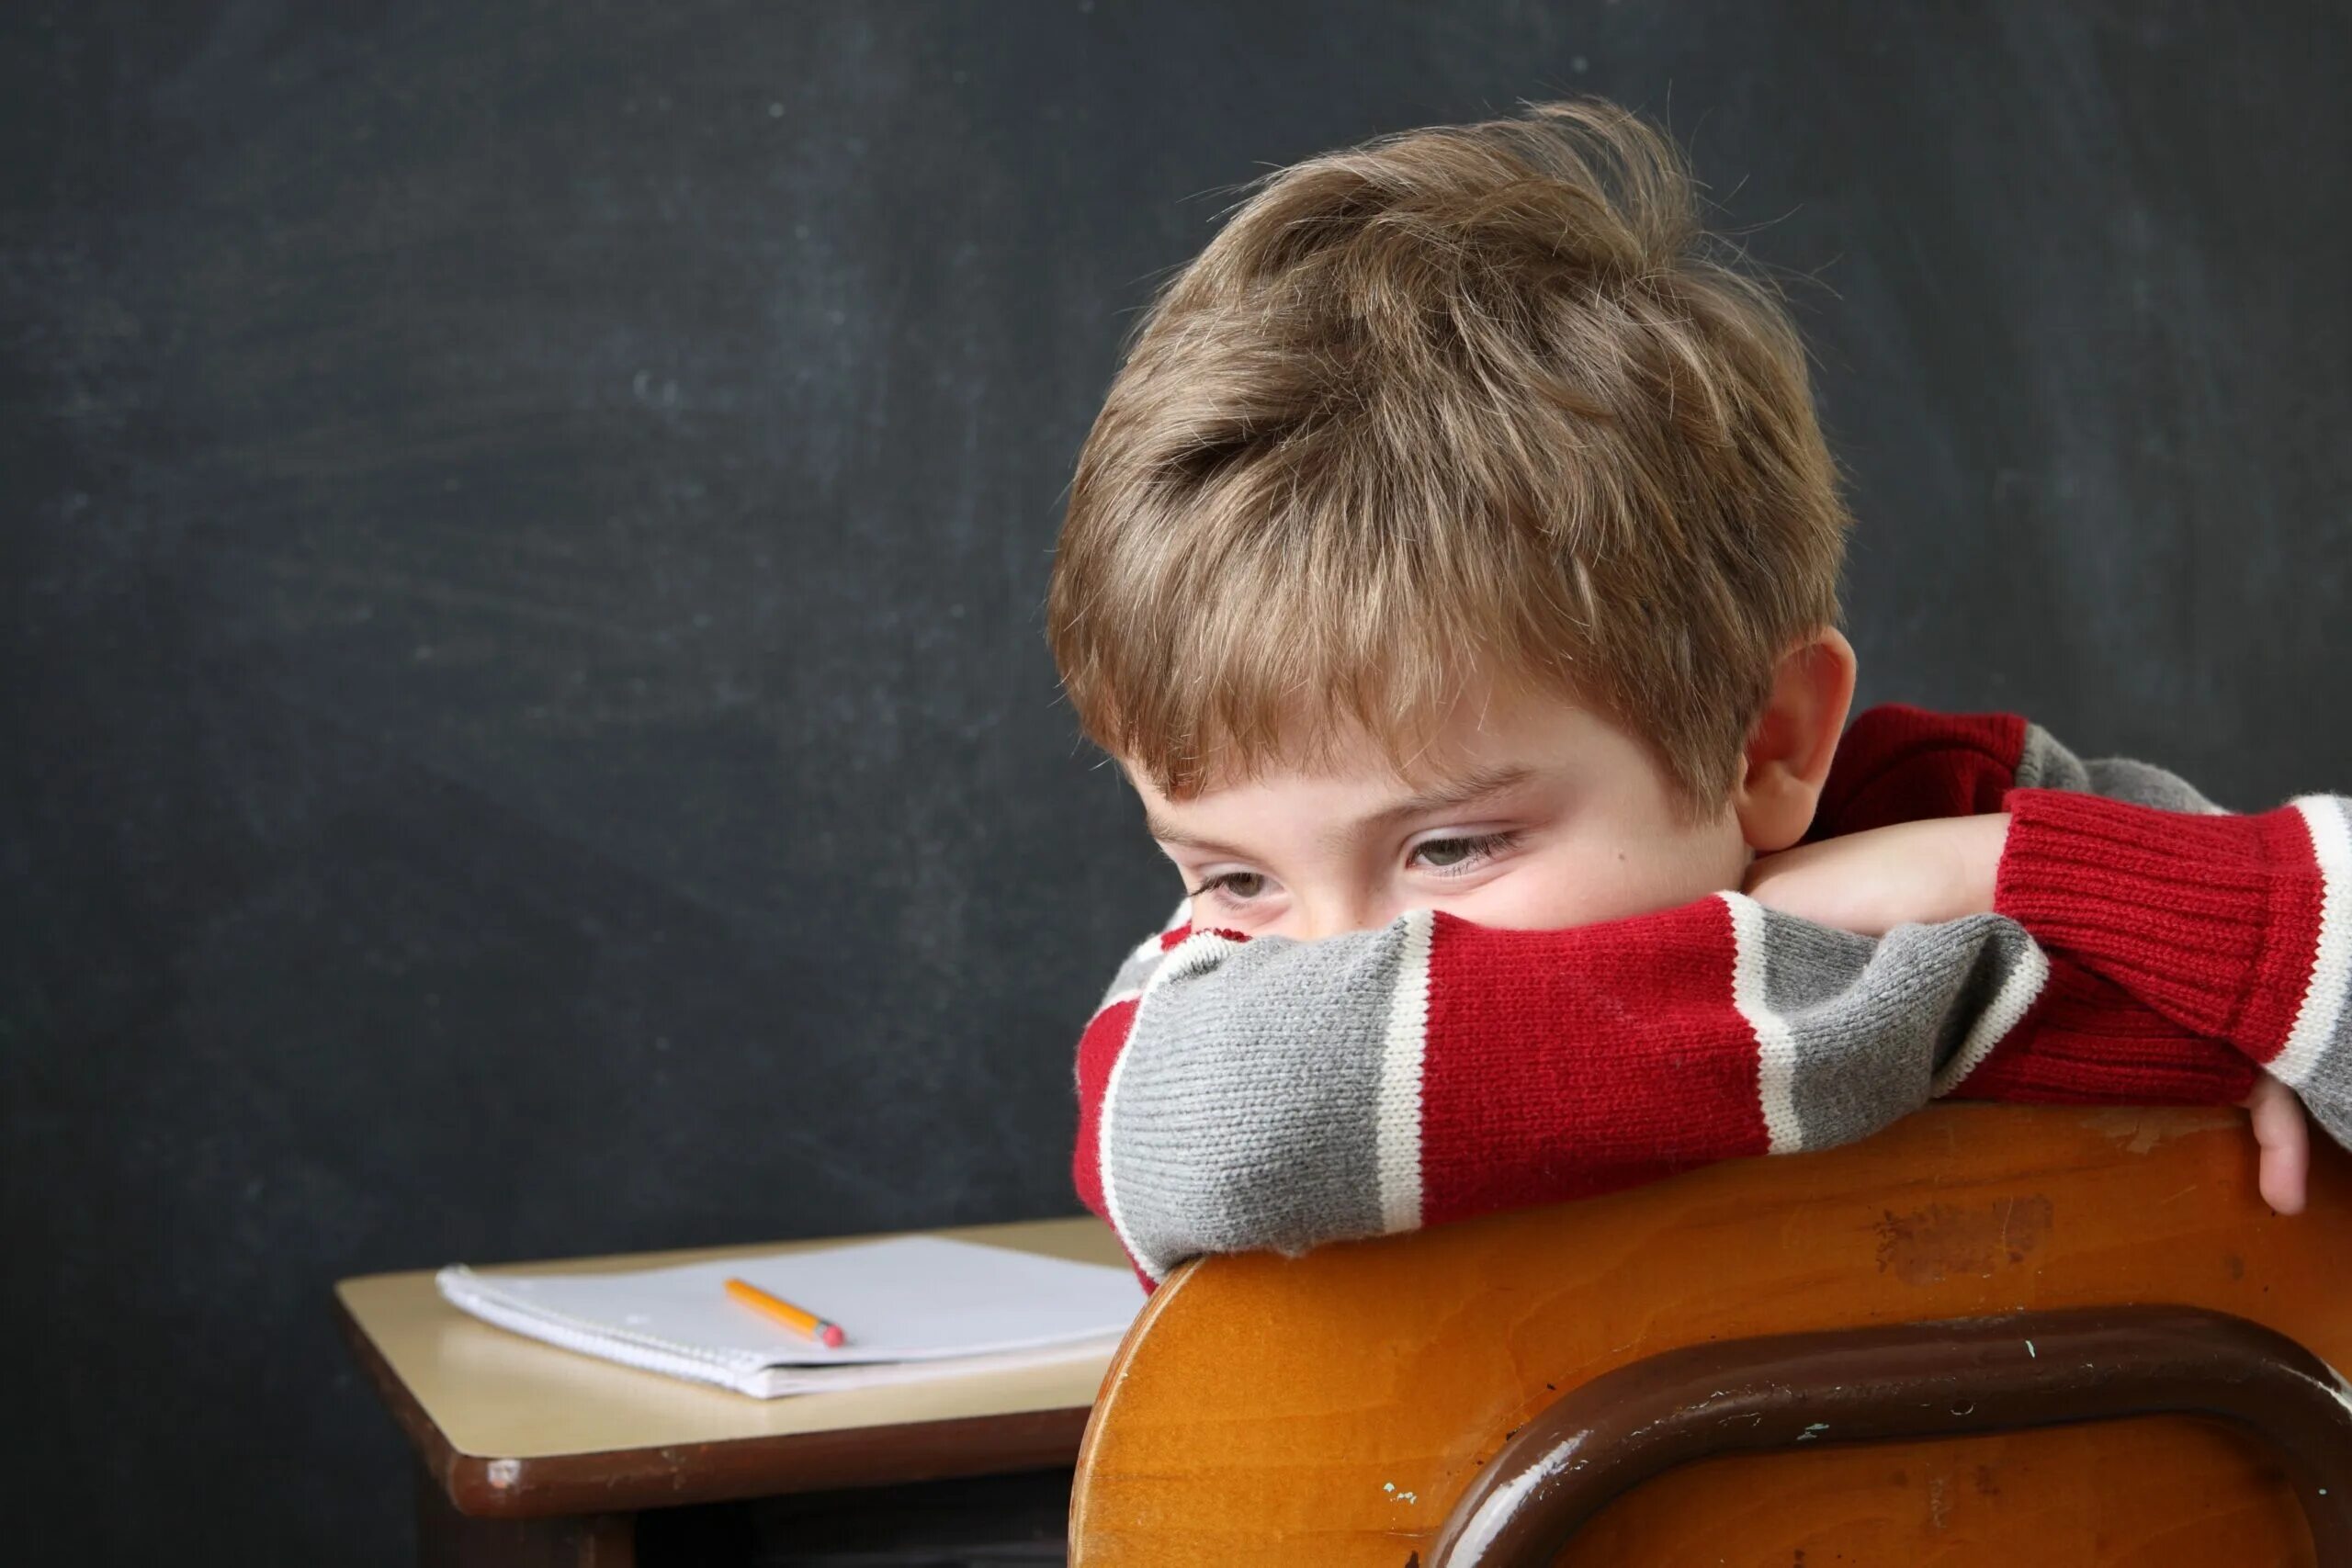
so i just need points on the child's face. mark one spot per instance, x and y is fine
(1534, 813)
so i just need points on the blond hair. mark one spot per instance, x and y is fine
(1466, 403)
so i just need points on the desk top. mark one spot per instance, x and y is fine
(513, 1428)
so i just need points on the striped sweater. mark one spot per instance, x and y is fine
(2146, 948)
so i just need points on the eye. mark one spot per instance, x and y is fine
(1236, 886)
(1464, 853)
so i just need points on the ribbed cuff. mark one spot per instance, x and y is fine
(2090, 1043)
(2209, 919)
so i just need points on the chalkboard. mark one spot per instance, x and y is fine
(526, 728)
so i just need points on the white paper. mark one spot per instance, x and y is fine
(901, 1301)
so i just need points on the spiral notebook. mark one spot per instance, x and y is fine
(913, 1307)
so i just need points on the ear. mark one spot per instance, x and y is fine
(1790, 748)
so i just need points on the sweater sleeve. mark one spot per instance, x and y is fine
(2083, 1038)
(1239, 1093)
(2238, 927)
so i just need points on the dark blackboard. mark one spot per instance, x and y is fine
(526, 728)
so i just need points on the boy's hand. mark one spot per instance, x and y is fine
(2284, 1136)
(1943, 869)
(1870, 881)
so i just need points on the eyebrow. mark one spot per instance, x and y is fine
(1472, 787)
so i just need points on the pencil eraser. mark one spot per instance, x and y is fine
(832, 1335)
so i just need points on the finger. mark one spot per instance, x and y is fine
(2284, 1139)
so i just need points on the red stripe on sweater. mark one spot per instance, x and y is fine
(1098, 1051)
(2297, 898)
(1642, 1065)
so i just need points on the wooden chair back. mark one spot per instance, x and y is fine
(1335, 1409)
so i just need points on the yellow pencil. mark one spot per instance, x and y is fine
(799, 1319)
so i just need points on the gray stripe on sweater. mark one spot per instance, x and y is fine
(1244, 1110)
(1805, 964)
(2046, 763)
(1871, 1021)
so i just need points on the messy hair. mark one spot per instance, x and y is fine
(1461, 404)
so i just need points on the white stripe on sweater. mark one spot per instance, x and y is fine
(1200, 951)
(2019, 988)
(1775, 1048)
(1397, 1106)
(2331, 972)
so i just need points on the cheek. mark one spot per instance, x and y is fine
(1582, 882)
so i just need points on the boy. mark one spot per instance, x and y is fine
(1452, 570)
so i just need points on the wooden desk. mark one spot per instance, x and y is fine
(536, 1455)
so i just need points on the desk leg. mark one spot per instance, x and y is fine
(448, 1539)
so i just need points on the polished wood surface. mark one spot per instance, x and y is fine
(1328, 1409)
(511, 1427)
(1920, 1382)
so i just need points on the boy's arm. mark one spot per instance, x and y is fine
(2218, 923)
(2235, 927)
(1238, 1093)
